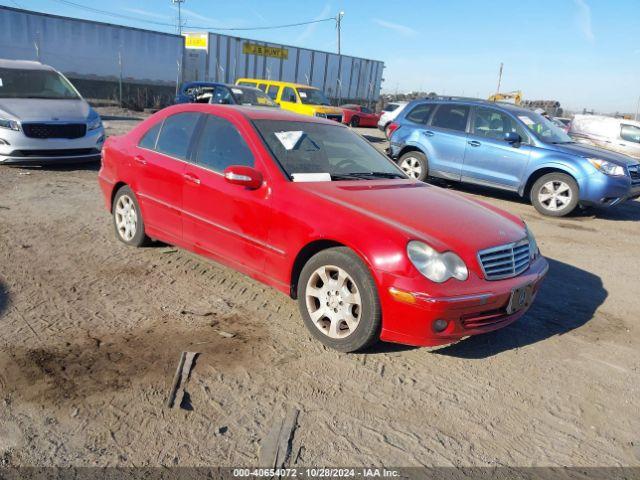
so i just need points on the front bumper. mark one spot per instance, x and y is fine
(18, 149)
(606, 191)
(481, 309)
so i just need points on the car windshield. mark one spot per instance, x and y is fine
(543, 128)
(26, 83)
(333, 151)
(251, 96)
(312, 96)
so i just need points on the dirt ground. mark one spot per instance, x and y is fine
(91, 332)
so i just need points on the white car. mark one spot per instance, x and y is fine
(617, 134)
(389, 113)
(43, 118)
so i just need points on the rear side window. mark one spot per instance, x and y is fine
(630, 133)
(262, 87)
(176, 134)
(390, 107)
(420, 113)
(221, 146)
(272, 91)
(288, 95)
(452, 117)
(149, 139)
(247, 84)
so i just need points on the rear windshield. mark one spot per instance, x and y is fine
(25, 83)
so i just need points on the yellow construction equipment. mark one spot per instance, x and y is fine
(513, 97)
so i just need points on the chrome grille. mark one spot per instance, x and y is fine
(505, 261)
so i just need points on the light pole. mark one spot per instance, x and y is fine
(179, 3)
(500, 77)
(338, 24)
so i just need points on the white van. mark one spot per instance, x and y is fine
(617, 134)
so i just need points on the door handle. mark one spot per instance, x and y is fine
(191, 178)
(474, 143)
(428, 133)
(140, 160)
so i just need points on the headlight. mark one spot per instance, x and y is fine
(94, 122)
(10, 124)
(607, 168)
(534, 251)
(320, 114)
(437, 267)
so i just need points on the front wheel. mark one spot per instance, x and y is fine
(555, 194)
(414, 164)
(127, 218)
(338, 300)
(355, 121)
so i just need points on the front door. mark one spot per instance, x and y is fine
(226, 221)
(489, 159)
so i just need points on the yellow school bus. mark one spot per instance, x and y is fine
(296, 97)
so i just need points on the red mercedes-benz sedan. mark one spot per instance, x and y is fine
(307, 206)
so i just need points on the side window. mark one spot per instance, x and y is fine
(272, 91)
(176, 133)
(245, 83)
(490, 123)
(221, 145)
(288, 95)
(365, 110)
(222, 95)
(452, 117)
(420, 113)
(262, 87)
(149, 139)
(630, 133)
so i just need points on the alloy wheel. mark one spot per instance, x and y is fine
(333, 301)
(412, 167)
(126, 217)
(555, 195)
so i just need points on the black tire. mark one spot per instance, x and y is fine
(369, 315)
(139, 237)
(355, 121)
(563, 203)
(415, 164)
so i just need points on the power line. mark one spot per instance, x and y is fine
(195, 27)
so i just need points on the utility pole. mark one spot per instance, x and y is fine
(500, 77)
(338, 26)
(179, 3)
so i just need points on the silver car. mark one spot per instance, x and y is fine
(43, 118)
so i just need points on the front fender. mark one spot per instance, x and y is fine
(572, 168)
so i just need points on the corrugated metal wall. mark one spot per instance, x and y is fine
(339, 76)
(83, 49)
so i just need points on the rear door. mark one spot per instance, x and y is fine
(446, 135)
(159, 167)
(226, 221)
(489, 159)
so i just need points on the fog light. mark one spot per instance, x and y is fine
(101, 139)
(440, 325)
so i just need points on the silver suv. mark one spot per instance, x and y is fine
(43, 118)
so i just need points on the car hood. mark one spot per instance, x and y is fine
(39, 110)
(325, 109)
(444, 219)
(594, 152)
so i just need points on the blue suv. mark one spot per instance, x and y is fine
(504, 146)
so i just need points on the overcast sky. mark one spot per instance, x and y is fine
(584, 53)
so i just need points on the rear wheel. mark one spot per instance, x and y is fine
(415, 165)
(127, 219)
(555, 194)
(338, 300)
(355, 121)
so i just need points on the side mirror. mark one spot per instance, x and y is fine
(512, 138)
(245, 176)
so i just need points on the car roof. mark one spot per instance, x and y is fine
(251, 113)
(515, 109)
(276, 82)
(25, 65)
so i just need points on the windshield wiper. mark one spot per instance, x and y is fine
(363, 175)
